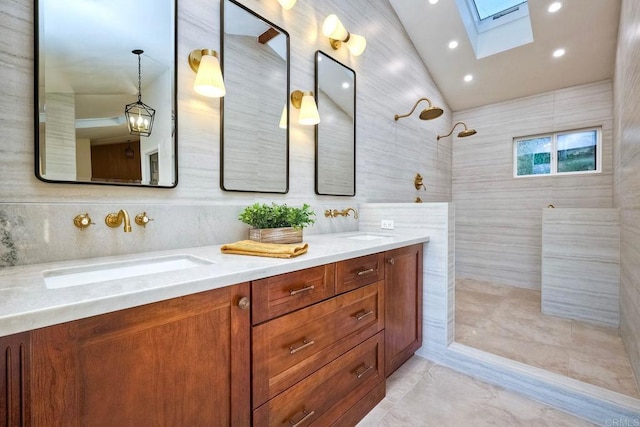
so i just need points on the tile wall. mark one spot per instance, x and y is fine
(627, 178)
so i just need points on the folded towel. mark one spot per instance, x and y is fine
(273, 250)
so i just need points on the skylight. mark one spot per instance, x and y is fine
(495, 8)
(494, 26)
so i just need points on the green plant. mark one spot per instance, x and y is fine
(276, 216)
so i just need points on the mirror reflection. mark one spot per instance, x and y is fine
(255, 63)
(336, 132)
(99, 66)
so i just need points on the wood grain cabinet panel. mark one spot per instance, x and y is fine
(360, 271)
(14, 380)
(278, 295)
(287, 349)
(323, 397)
(180, 362)
(403, 305)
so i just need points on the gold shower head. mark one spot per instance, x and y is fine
(463, 133)
(428, 113)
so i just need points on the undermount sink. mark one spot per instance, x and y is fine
(95, 273)
(366, 236)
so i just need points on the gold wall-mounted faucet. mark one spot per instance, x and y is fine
(142, 219)
(114, 220)
(82, 221)
(334, 213)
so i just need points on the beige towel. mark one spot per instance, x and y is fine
(273, 250)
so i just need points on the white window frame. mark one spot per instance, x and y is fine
(554, 152)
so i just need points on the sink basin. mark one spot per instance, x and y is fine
(366, 236)
(95, 273)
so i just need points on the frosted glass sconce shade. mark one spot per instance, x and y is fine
(338, 34)
(305, 102)
(209, 81)
(287, 4)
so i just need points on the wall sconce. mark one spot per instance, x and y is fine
(139, 115)
(287, 4)
(305, 102)
(333, 28)
(461, 134)
(209, 82)
(428, 113)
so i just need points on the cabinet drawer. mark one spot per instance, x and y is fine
(287, 349)
(278, 295)
(324, 396)
(357, 272)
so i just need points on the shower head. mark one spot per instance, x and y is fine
(428, 113)
(462, 134)
(431, 113)
(466, 132)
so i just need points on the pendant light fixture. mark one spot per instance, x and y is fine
(138, 114)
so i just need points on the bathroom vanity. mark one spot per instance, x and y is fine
(303, 341)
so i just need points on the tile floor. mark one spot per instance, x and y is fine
(422, 394)
(507, 321)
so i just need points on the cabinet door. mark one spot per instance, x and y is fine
(180, 362)
(14, 384)
(403, 305)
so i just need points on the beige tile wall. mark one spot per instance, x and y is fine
(627, 179)
(499, 217)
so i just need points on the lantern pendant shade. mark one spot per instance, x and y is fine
(139, 115)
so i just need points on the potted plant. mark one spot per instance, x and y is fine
(276, 223)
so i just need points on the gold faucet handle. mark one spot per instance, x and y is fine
(142, 219)
(330, 213)
(419, 183)
(83, 221)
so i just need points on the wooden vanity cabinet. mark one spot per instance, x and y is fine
(14, 383)
(322, 362)
(403, 305)
(180, 362)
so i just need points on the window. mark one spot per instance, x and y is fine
(577, 151)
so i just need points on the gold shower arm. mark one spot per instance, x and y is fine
(396, 117)
(451, 131)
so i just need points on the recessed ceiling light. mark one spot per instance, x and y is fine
(453, 44)
(468, 78)
(558, 53)
(433, 1)
(554, 7)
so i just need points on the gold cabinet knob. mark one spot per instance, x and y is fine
(83, 221)
(244, 303)
(142, 219)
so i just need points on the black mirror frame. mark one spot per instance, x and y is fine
(36, 101)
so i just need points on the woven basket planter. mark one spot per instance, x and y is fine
(276, 235)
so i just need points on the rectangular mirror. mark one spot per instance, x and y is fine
(255, 63)
(336, 132)
(86, 75)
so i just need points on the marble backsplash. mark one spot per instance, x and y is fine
(32, 233)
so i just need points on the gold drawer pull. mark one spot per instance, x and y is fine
(361, 315)
(305, 344)
(297, 291)
(305, 414)
(360, 373)
(363, 272)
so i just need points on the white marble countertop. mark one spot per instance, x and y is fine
(26, 303)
